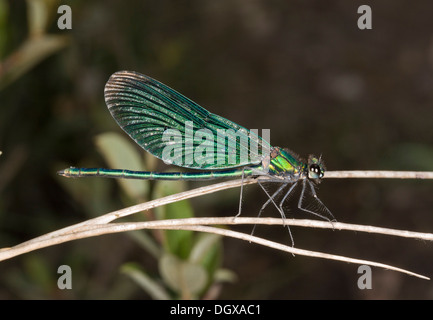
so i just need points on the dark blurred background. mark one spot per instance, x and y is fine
(361, 98)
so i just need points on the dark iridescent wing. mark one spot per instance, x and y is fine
(176, 129)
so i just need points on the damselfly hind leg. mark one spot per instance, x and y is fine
(271, 199)
(242, 187)
(242, 192)
(288, 193)
(319, 204)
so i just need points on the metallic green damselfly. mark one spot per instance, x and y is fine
(178, 131)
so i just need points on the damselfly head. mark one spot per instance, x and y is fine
(316, 168)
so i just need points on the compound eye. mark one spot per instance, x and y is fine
(315, 172)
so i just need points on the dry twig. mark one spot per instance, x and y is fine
(103, 224)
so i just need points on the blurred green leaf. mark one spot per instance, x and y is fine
(38, 15)
(4, 12)
(40, 273)
(203, 245)
(153, 288)
(165, 188)
(31, 52)
(225, 275)
(120, 153)
(183, 276)
(178, 242)
(38, 44)
(150, 161)
(91, 193)
(207, 251)
(147, 242)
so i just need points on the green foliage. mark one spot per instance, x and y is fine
(188, 262)
(178, 242)
(255, 62)
(119, 154)
(146, 282)
(36, 47)
(4, 10)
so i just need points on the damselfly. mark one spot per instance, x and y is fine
(179, 131)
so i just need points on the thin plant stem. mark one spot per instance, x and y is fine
(380, 174)
(103, 224)
(196, 224)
